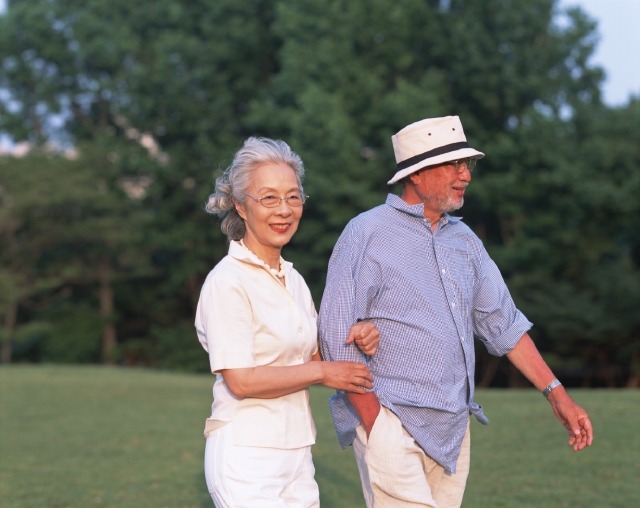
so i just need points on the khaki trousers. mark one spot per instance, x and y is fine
(396, 473)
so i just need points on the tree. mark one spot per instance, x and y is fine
(169, 92)
(65, 224)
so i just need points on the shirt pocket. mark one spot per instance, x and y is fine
(463, 277)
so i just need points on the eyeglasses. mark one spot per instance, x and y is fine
(461, 164)
(271, 201)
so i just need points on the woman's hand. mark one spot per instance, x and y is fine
(366, 336)
(349, 376)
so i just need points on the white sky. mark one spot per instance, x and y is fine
(618, 51)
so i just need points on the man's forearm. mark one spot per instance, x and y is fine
(367, 407)
(526, 358)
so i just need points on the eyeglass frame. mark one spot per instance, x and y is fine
(302, 196)
(470, 163)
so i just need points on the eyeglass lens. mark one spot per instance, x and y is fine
(469, 163)
(294, 200)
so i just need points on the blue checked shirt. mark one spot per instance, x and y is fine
(428, 293)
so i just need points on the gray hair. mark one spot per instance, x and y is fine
(236, 180)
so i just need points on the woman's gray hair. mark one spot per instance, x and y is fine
(236, 180)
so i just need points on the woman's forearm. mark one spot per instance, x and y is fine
(268, 382)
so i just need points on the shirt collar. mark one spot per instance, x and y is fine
(241, 253)
(416, 210)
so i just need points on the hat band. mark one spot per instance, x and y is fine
(432, 153)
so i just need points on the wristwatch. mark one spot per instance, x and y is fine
(554, 384)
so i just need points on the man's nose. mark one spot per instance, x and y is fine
(465, 174)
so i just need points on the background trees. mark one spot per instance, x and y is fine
(156, 98)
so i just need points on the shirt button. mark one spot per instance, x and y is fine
(299, 357)
(444, 271)
(462, 338)
(453, 305)
(304, 408)
(424, 220)
(299, 329)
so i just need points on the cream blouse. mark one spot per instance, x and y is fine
(246, 318)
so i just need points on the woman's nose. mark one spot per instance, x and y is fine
(283, 208)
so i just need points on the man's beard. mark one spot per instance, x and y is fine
(441, 203)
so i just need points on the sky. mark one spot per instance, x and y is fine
(618, 52)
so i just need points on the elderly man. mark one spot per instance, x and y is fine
(427, 283)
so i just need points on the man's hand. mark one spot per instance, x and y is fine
(366, 336)
(527, 359)
(573, 417)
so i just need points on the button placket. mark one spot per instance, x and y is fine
(450, 294)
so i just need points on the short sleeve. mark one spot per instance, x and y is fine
(311, 307)
(314, 314)
(224, 323)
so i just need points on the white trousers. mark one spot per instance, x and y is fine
(251, 477)
(396, 473)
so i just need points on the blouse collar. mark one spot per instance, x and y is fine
(241, 253)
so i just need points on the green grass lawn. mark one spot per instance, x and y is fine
(90, 436)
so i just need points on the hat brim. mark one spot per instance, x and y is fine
(463, 153)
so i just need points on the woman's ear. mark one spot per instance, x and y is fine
(240, 209)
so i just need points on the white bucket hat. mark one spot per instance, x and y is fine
(428, 142)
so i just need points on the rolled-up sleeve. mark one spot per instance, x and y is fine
(338, 308)
(224, 324)
(496, 320)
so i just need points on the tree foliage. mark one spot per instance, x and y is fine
(156, 97)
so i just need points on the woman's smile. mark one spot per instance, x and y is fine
(280, 227)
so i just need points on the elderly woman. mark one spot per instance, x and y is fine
(257, 320)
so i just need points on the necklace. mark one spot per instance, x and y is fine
(277, 274)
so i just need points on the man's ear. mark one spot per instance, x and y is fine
(239, 209)
(415, 178)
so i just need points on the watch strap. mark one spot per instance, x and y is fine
(554, 384)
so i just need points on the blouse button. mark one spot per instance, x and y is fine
(299, 329)
(299, 357)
